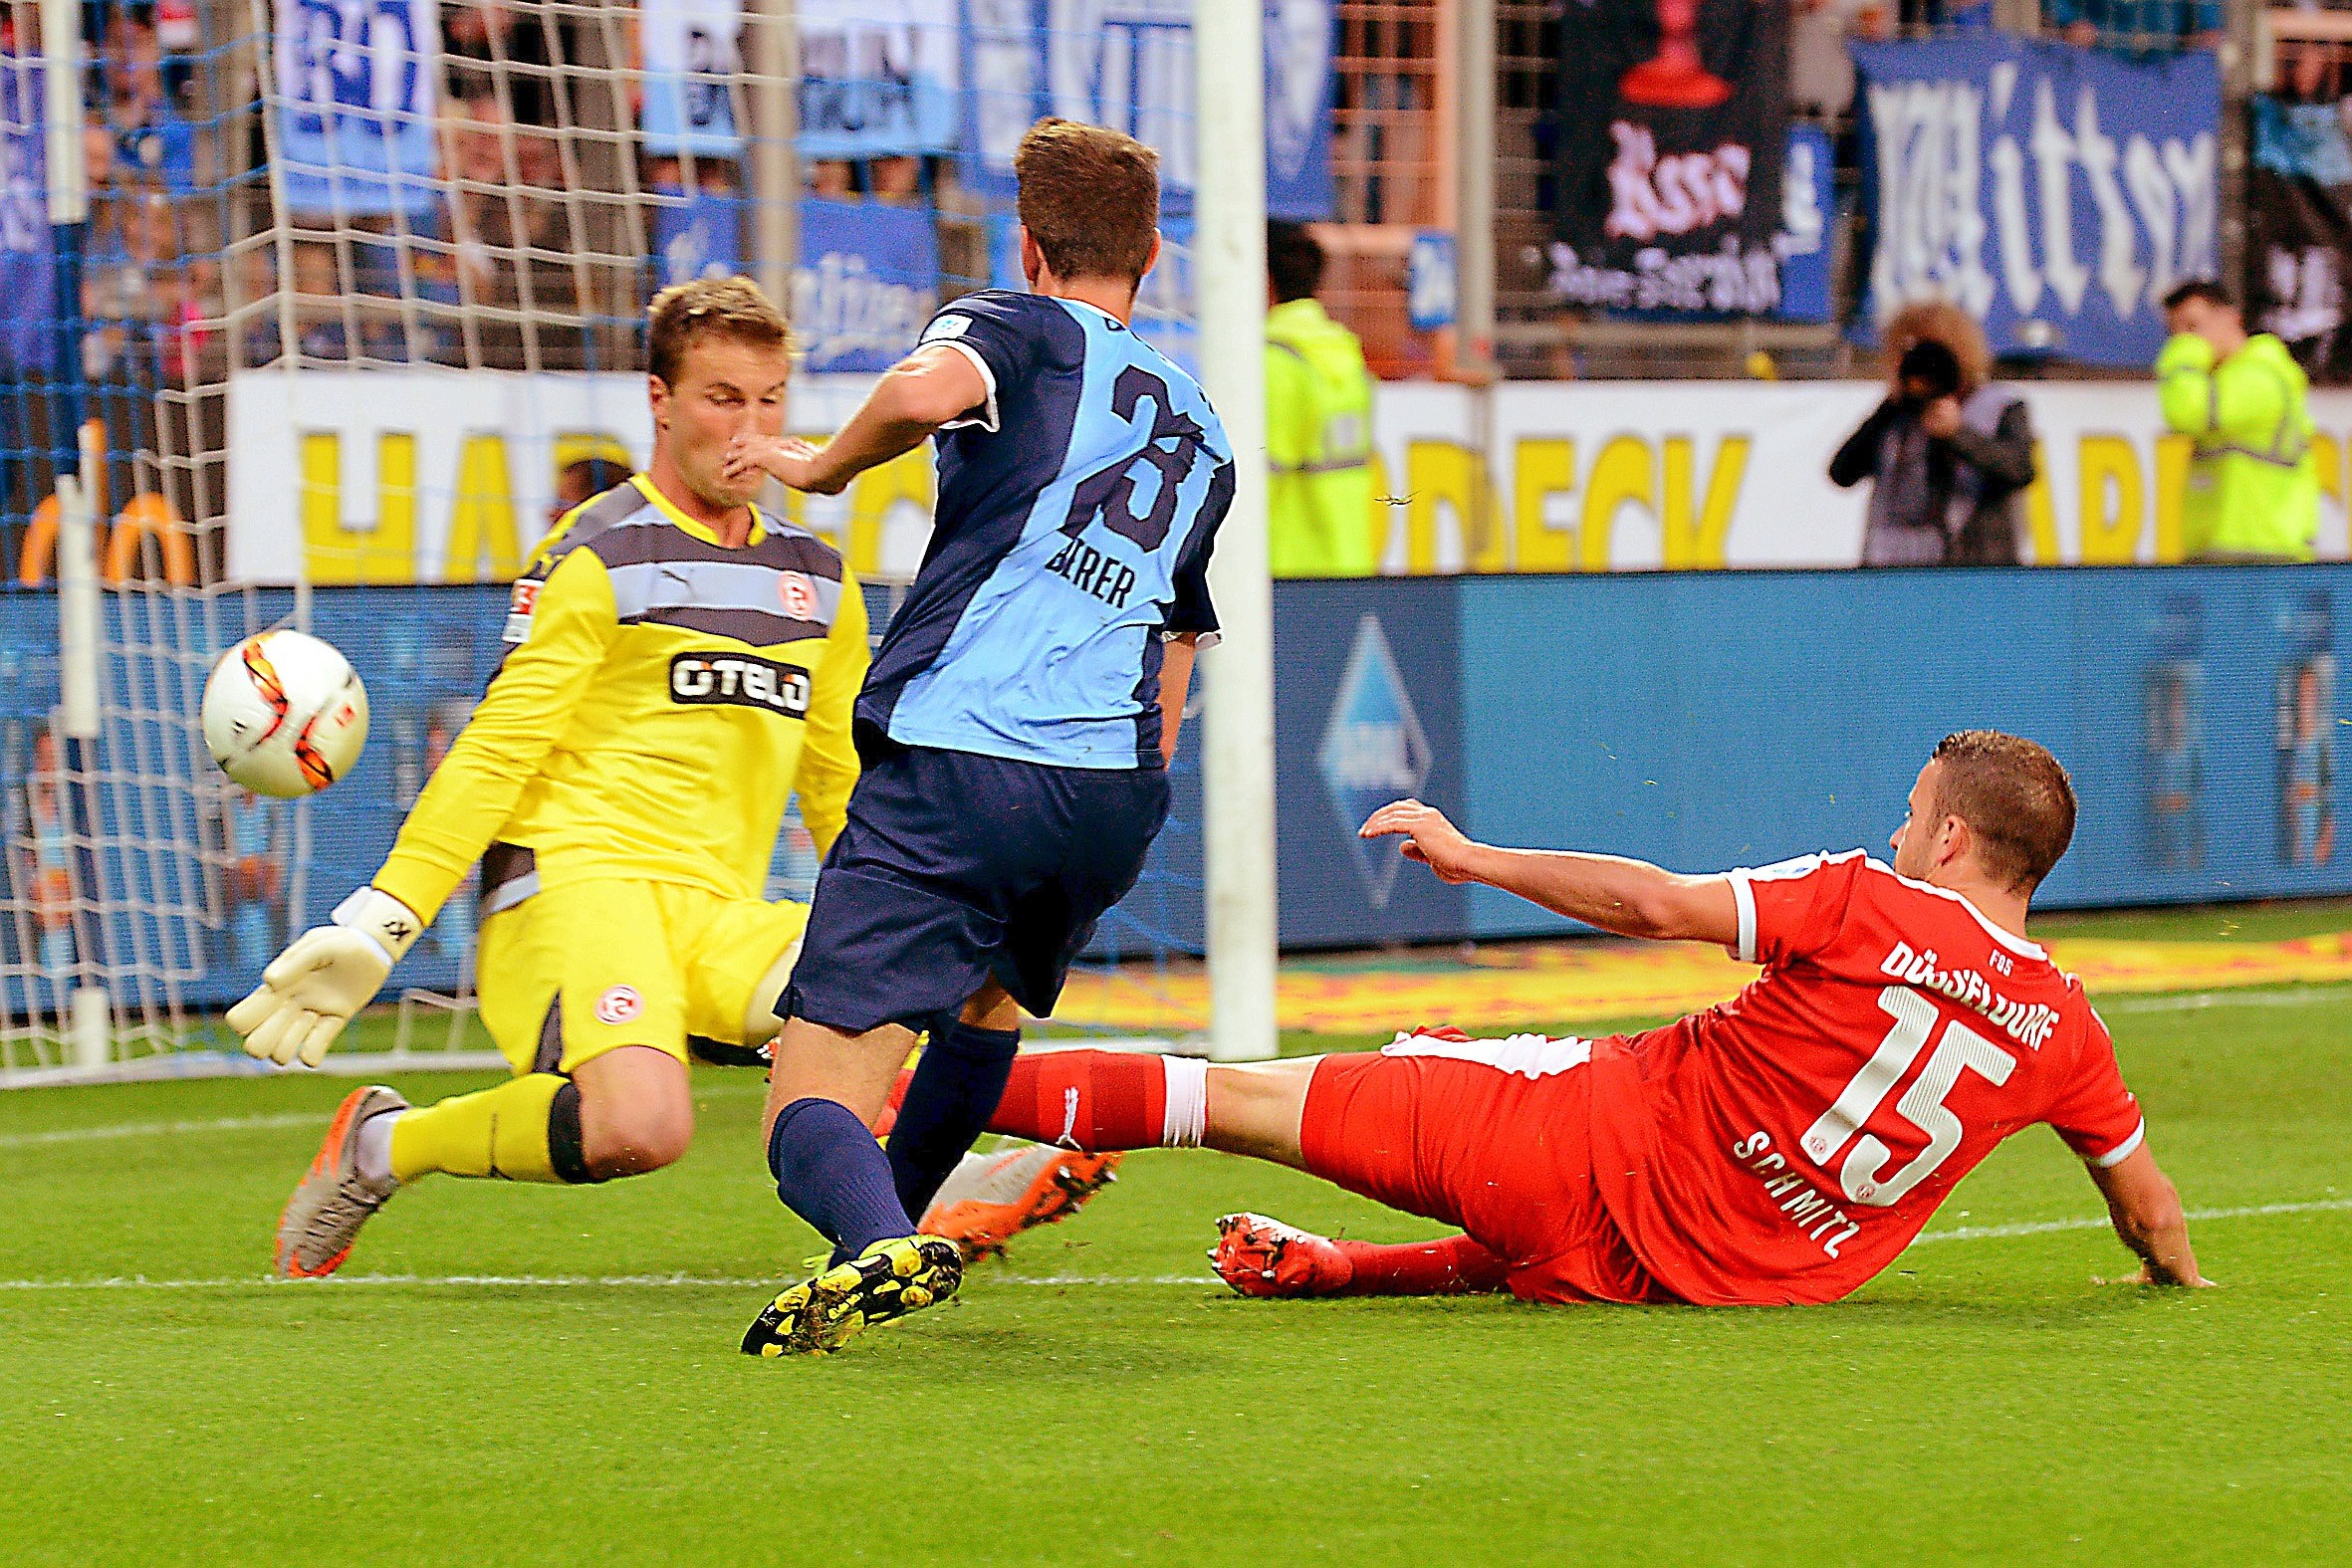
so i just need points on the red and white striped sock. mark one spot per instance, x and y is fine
(1100, 1100)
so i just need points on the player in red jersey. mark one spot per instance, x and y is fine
(1782, 1147)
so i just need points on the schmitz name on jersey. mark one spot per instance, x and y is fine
(740, 679)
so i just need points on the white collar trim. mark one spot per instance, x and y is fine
(2015, 944)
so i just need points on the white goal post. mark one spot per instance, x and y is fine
(1229, 270)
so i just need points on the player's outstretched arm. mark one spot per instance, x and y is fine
(2149, 1220)
(329, 973)
(926, 389)
(1629, 897)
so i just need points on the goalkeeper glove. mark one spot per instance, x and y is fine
(329, 973)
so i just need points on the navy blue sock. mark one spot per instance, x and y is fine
(955, 1091)
(830, 1172)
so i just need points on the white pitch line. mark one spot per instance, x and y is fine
(1984, 1232)
(2195, 1001)
(161, 1129)
(1980, 1233)
(2181, 1002)
(537, 1281)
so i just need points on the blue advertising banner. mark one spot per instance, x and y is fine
(696, 234)
(866, 282)
(355, 102)
(1367, 709)
(2056, 193)
(26, 280)
(2198, 709)
(1128, 64)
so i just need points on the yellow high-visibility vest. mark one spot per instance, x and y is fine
(2253, 484)
(1319, 444)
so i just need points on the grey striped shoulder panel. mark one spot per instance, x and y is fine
(785, 588)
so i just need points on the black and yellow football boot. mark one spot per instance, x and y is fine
(886, 1281)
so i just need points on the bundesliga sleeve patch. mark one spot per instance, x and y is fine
(519, 608)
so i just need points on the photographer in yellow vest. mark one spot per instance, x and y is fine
(2253, 485)
(1318, 422)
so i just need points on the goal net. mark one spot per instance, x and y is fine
(354, 311)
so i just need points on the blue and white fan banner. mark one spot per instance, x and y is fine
(25, 254)
(2054, 193)
(866, 282)
(696, 234)
(1128, 64)
(879, 78)
(692, 51)
(355, 98)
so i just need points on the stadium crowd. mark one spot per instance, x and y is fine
(532, 222)
(536, 245)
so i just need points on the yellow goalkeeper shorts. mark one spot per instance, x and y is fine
(573, 971)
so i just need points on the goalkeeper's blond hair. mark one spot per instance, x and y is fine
(684, 314)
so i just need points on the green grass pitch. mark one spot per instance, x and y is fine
(527, 1376)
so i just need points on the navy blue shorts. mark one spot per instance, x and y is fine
(954, 868)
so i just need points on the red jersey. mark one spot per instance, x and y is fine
(1785, 1145)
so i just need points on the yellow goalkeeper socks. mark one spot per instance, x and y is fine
(523, 1131)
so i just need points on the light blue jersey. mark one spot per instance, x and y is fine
(1076, 511)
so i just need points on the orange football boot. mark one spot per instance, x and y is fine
(333, 1199)
(991, 1198)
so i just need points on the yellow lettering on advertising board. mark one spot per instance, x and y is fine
(1380, 522)
(2042, 512)
(2172, 484)
(339, 551)
(1699, 539)
(1620, 474)
(482, 519)
(2111, 491)
(1486, 542)
(1541, 468)
(1440, 473)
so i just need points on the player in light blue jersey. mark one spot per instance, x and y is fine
(1016, 727)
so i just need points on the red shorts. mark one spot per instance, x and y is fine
(1494, 1136)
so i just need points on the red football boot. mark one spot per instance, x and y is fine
(1259, 1256)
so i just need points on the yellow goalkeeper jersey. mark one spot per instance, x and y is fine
(660, 697)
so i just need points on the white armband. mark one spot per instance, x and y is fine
(382, 919)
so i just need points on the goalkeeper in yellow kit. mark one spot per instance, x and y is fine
(680, 662)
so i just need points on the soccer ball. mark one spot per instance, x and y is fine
(285, 715)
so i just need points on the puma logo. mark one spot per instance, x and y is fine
(1069, 1118)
